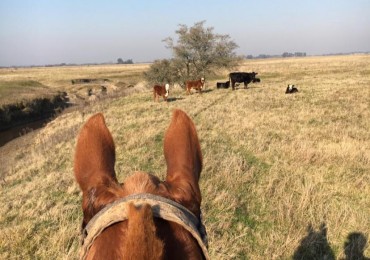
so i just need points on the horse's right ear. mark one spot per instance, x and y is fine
(95, 155)
(184, 161)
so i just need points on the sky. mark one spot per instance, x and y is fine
(39, 32)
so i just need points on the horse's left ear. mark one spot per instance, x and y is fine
(94, 166)
(95, 154)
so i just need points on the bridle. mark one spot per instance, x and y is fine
(161, 207)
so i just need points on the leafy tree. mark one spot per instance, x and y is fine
(120, 61)
(196, 53)
(161, 72)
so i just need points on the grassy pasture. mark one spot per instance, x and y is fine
(284, 177)
(10, 91)
(17, 83)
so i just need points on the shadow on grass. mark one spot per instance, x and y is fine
(207, 90)
(355, 246)
(196, 92)
(314, 245)
(172, 99)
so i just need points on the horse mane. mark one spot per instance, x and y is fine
(141, 241)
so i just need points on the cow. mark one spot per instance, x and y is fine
(245, 77)
(223, 84)
(256, 80)
(195, 84)
(144, 217)
(291, 89)
(160, 90)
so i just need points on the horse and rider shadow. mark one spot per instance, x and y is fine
(315, 245)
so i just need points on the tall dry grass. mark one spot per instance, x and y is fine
(17, 84)
(277, 168)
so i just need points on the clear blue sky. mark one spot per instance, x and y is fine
(81, 31)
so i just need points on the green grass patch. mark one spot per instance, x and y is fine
(18, 89)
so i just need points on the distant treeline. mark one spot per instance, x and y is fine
(301, 54)
(119, 61)
(130, 61)
(284, 55)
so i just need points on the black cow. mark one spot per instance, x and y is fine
(256, 80)
(245, 77)
(223, 84)
(291, 89)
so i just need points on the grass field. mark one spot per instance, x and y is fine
(284, 177)
(19, 83)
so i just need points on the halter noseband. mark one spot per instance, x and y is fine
(161, 207)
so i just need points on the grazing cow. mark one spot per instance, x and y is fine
(245, 77)
(161, 91)
(223, 84)
(256, 80)
(291, 89)
(144, 218)
(195, 84)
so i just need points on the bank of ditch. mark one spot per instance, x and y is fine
(16, 117)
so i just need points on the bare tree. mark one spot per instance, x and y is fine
(197, 52)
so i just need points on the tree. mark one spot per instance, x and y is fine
(121, 61)
(160, 72)
(128, 61)
(287, 54)
(197, 52)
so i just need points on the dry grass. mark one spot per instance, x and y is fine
(274, 164)
(17, 83)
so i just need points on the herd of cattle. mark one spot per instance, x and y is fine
(235, 78)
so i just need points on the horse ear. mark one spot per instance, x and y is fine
(95, 155)
(184, 161)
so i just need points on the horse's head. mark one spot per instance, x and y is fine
(144, 235)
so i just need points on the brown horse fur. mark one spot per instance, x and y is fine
(142, 236)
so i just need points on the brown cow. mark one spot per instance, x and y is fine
(160, 90)
(195, 84)
(127, 221)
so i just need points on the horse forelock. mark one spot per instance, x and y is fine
(140, 182)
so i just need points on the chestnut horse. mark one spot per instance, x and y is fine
(142, 234)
